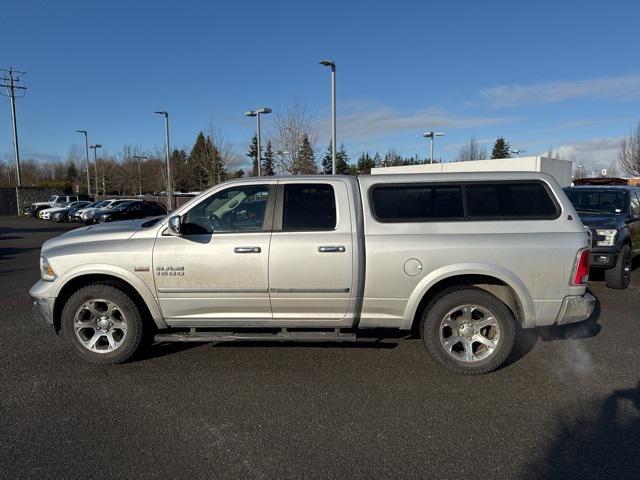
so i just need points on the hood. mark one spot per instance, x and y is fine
(601, 221)
(104, 232)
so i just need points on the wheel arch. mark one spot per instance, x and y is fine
(145, 301)
(501, 283)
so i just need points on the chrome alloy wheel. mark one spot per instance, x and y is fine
(100, 325)
(469, 333)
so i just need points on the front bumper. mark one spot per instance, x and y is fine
(576, 309)
(42, 305)
(42, 310)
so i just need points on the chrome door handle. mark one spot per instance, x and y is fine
(247, 250)
(331, 249)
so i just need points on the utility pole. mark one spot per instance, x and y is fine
(432, 135)
(95, 164)
(166, 154)
(86, 146)
(9, 79)
(334, 141)
(256, 113)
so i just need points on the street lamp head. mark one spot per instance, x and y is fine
(328, 63)
(251, 113)
(283, 152)
(439, 134)
(166, 114)
(263, 110)
(81, 131)
(96, 145)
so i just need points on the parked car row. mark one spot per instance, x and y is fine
(100, 211)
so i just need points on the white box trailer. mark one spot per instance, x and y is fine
(561, 170)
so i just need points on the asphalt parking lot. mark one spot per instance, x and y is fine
(566, 405)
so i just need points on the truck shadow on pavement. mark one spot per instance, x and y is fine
(527, 339)
(602, 442)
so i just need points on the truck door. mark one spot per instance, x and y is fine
(215, 272)
(311, 256)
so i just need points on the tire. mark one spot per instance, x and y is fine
(103, 324)
(619, 276)
(466, 317)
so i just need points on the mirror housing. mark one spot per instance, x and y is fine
(173, 227)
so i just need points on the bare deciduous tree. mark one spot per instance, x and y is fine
(472, 150)
(290, 128)
(629, 153)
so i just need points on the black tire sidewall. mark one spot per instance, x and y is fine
(614, 277)
(432, 318)
(125, 303)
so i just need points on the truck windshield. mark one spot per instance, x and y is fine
(597, 200)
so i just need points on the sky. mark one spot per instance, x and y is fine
(561, 75)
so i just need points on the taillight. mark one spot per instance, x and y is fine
(581, 270)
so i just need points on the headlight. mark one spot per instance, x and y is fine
(606, 237)
(46, 271)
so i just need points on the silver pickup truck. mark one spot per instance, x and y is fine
(462, 258)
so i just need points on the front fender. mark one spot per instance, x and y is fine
(138, 283)
(500, 273)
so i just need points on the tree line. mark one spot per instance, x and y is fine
(289, 149)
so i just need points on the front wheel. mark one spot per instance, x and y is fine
(468, 331)
(103, 324)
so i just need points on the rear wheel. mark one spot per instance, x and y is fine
(468, 331)
(619, 276)
(103, 323)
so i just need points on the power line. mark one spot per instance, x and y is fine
(9, 79)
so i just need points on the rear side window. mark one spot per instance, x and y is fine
(510, 201)
(417, 203)
(410, 203)
(308, 206)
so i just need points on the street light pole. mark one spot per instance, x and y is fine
(86, 147)
(257, 113)
(95, 147)
(139, 158)
(431, 136)
(166, 154)
(332, 64)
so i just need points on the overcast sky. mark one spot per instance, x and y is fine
(544, 74)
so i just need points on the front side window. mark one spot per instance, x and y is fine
(417, 203)
(308, 207)
(236, 209)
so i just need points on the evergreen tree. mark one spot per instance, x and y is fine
(377, 160)
(501, 149)
(238, 174)
(197, 162)
(267, 164)
(306, 161)
(365, 163)
(342, 161)
(181, 171)
(327, 160)
(253, 155)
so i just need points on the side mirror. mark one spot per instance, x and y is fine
(174, 225)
